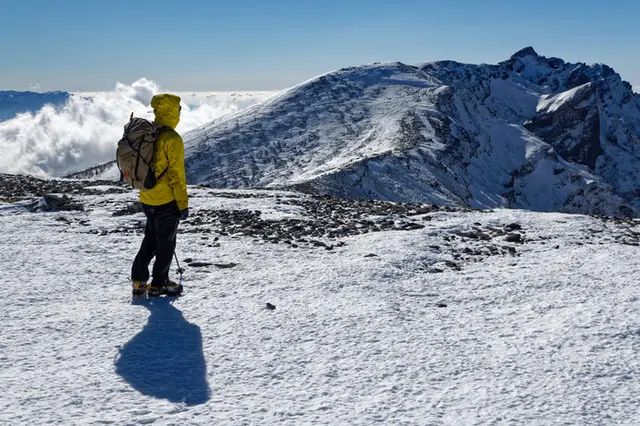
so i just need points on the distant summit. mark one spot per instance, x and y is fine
(13, 103)
(531, 132)
(527, 51)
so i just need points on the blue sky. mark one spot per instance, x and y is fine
(199, 45)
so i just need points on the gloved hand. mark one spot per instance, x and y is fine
(183, 214)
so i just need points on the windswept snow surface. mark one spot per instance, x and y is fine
(396, 327)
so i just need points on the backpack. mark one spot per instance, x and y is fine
(135, 154)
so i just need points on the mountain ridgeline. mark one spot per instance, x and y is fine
(532, 132)
(13, 103)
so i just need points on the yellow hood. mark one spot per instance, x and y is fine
(167, 109)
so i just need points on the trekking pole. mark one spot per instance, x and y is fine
(180, 269)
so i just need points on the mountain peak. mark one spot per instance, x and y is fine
(527, 51)
(393, 132)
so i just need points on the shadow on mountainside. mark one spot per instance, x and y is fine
(165, 360)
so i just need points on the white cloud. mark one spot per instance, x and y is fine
(203, 107)
(84, 132)
(34, 86)
(636, 89)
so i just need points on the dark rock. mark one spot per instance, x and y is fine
(199, 264)
(441, 305)
(483, 236)
(471, 235)
(513, 238)
(132, 208)
(52, 203)
(451, 264)
(271, 306)
(225, 265)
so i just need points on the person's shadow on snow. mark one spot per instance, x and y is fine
(165, 360)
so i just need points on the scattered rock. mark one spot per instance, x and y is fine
(371, 255)
(452, 265)
(132, 208)
(199, 264)
(513, 238)
(53, 203)
(271, 306)
(19, 187)
(441, 305)
(225, 265)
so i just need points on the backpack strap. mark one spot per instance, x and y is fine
(159, 131)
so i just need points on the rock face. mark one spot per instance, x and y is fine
(531, 132)
(572, 127)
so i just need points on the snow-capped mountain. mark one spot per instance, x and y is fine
(531, 132)
(13, 103)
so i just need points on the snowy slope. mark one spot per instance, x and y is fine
(517, 134)
(107, 171)
(385, 313)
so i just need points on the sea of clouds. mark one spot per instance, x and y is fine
(84, 131)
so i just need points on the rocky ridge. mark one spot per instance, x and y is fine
(325, 223)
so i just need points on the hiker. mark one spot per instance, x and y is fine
(164, 205)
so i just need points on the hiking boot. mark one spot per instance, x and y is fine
(172, 288)
(139, 287)
(154, 291)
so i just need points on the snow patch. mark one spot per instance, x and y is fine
(550, 103)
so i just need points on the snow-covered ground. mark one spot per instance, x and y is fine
(445, 324)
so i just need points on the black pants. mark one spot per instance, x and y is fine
(159, 241)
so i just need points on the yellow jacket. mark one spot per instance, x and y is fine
(172, 185)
